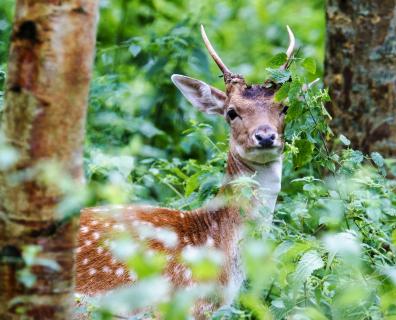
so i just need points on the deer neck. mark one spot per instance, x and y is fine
(267, 176)
(259, 208)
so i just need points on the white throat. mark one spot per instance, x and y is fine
(269, 177)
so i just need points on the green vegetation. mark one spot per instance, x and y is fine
(330, 253)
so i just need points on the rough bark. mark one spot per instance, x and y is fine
(51, 56)
(360, 70)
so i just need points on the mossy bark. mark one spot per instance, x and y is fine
(360, 70)
(51, 57)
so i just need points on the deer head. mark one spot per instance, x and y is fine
(255, 119)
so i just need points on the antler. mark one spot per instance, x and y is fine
(290, 49)
(213, 53)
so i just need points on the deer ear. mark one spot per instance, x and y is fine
(200, 94)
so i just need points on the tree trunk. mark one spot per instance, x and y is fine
(51, 56)
(361, 72)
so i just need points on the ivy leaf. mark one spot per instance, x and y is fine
(377, 159)
(305, 151)
(278, 76)
(309, 64)
(345, 141)
(282, 93)
(277, 60)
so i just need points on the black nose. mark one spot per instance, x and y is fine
(264, 139)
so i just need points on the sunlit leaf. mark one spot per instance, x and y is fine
(308, 263)
(344, 140)
(282, 93)
(310, 65)
(277, 60)
(278, 76)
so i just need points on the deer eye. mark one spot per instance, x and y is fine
(284, 110)
(232, 114)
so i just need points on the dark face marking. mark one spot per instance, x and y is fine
(257, 91)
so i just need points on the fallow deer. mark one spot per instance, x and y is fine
(256, 122)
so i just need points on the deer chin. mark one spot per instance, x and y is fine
(259, 155)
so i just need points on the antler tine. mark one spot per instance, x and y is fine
(213, 53)
(292, 41)
(290, 49)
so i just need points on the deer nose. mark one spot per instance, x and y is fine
(264, 139)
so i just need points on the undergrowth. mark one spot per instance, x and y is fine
(330, 253)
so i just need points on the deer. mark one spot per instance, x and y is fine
(256, 123)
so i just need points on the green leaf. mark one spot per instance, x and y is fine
(30, 253)
(377, 159)
(277, 60)
(295, 110)
(309, 64)
(356, 157)
(308, 263)
(282, 93)
(344, 140)
(192, 184)
(26, 277)
(134, 49)
(51, 264)
(394, 237)
(310, 313)
(305, 151)
(278, 76)
(295, 90)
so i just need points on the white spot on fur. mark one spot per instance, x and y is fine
(85, 261)
(94, 223)
(92, 271)
(210, 242)
(96, 235)
(99, 250)
(113, 261)
(78, 250)
(119, 272)
(182, 215)
(84, 229)
(87, 242)
(106, 269)
(107, 224)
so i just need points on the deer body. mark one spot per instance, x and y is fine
(256, 145)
